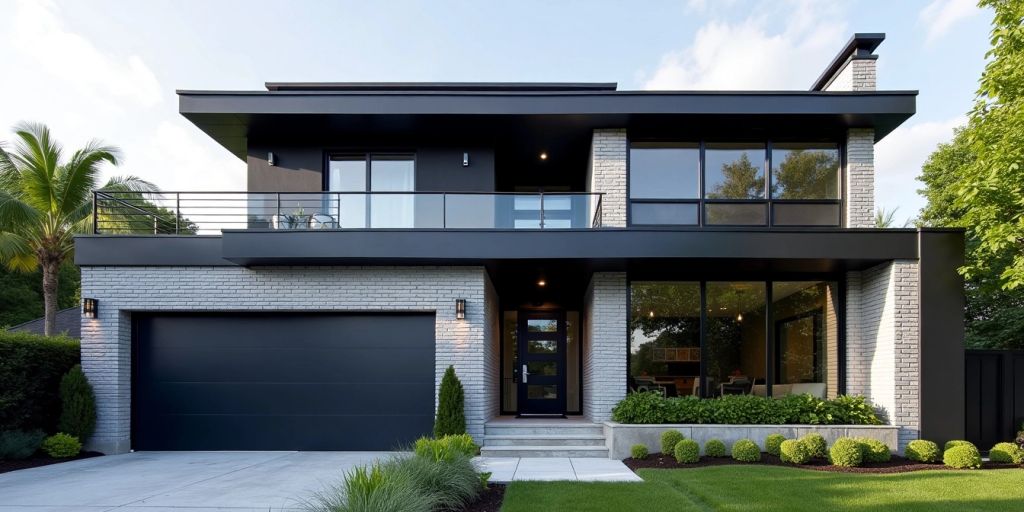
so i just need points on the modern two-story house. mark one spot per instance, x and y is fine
(559, 244)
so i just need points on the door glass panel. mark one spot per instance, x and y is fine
(542, 346)
(510, 361)
(542, 325)
(391, 173)
(572, 361)
(544, 368)
(541, 392)
(348, 174)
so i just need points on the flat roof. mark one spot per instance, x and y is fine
(441, 86)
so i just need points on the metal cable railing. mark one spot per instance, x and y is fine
(208, 213)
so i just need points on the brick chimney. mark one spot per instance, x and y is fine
(853, 69)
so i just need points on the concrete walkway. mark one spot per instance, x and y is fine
(193, 481)
(510, 469)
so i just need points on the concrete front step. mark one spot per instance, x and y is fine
(545, 440)
(545, 451)
(505, 429)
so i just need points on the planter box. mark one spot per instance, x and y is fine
(620, 437)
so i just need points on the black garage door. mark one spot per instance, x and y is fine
(281, 381)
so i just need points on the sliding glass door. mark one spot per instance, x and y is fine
(381, 178)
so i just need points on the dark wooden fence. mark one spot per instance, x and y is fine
(994, 392)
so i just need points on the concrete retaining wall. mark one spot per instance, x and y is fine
(619, 438)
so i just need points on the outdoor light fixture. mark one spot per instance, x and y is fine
(270, 158)
(460, 309)
(542, 283)
(651, 314)
(739, 317)
(543, 155)
(465, 159)
(90, 307)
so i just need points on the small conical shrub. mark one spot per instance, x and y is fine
(78, 405)
(451, 415)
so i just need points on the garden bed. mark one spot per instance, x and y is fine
(40, 460)
(896, 465)
(489, 500)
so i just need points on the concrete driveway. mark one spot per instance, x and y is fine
(193, 481)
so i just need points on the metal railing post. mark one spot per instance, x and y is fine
(95, 211)
(542, 209)
(177, 213)
(444, 210)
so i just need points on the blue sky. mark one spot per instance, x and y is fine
(108, 69)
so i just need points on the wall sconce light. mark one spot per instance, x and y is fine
(90, 307)
(465, 159)
(271, 159)
(460, 309)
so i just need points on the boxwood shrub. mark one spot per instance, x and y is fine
(31, 368)
(652, 408)
(846, 452)
(746, 450)
(687, 451)
(773, 442)
(714, 448)
(19, 444)
(794, 452)
(62, 445)
(1006, 453)
(957, 442)
(638, 451)
(816, 445)
(921, 450)
(874, 450)
(962, 456)
(669, 440)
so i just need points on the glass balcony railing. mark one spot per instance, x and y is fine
(207, 213)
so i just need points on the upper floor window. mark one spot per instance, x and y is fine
(372, 183)
(735, 184)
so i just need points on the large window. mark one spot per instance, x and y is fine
(754, 337)
(381, 178)
(734, 184)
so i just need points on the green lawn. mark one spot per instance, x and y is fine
(772, 488)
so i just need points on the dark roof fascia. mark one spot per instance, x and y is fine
(860, 46)
(440, 86)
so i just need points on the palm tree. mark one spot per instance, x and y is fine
(45, 201)
(887, 218)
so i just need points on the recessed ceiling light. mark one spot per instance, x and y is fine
(543, 155)
(542, 283)
(651, 314)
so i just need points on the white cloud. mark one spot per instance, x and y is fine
(40, 35)
(757, 52)
(898, 161)
(940, 15)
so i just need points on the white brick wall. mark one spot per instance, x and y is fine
(469, 344)
(860, 178)
(857, 75)
(883, 342)
(606, 173)
(604, 344)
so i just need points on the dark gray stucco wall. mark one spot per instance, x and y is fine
(438, 169)
(942, 335)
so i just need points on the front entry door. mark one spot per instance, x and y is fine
(541, 362)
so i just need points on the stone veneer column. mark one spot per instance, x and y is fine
(883, 343)
(606, 173)
(470, 345)
(604, 344)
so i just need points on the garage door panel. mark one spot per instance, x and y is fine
(277, 365)
(291, 398)
(277, 381)
(234, 432)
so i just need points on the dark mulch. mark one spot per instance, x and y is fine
(37, 460)
(489, 501)
(896, 465)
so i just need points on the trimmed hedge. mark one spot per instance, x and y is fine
(669, 440)
(957, 442)
(794, 452)
(874, 450)
(846, 452)
(921, 450)
(773, 442)
(652, 408)
(714, 448)
(638, 452)
(962, 456)
(1006, 453)
(746, 450)
(687, 451)
(31, 369)
(61, 445)
(816, 445)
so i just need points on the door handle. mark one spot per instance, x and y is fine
(525, 374)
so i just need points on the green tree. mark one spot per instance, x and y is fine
(78, 405)
(45, 200)
(994, 316)
(887, 219)
(451, 414)
(21, 293)
(989, 189)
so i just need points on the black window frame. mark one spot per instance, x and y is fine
(768, 202)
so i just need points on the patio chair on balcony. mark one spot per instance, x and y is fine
(322, 221)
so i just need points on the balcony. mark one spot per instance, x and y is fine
(209, 213)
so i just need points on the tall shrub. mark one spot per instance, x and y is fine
(31, 367)
(451, 414)
(78, 405)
